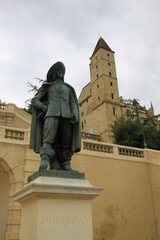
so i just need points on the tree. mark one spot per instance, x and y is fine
(152, 136)
(33, 89)
(28, 108)
(130, 132)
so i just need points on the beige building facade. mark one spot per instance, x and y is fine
(128, 207)
(99, 101)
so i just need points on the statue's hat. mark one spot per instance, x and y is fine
(57, 65)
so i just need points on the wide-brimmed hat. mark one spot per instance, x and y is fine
(57, 65)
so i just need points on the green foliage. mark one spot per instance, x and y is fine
(130, 132)
(152, 137)
(33, 89)
(28, 108)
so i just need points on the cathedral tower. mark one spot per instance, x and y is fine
(101, 94)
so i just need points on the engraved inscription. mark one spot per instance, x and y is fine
(69, 220)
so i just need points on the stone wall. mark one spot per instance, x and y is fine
(129, 205)
(129, 176)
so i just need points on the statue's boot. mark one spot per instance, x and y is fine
(67, 166)
(46, 154)
(65, 159)
(44, 162)
(55, 164)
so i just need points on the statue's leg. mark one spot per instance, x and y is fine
(66, 159)
(66, 154)
(46, 153)
(54, 163)
(49, 133)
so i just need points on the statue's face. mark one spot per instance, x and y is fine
(59, 73)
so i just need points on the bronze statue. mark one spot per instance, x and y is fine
(55, 128)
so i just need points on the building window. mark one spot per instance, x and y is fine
(97, 85)
(109, 64)
(99, 99)
(97, 76)
(128, 113)
(82, 125)
(84, 121)
(114, 111)
(111, 84)
(112, 95)
(108, 54)
(110, 74)
(97, 66)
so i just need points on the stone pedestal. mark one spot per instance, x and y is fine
(56, 208)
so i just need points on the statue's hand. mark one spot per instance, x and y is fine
(75, 118)
(44, 108)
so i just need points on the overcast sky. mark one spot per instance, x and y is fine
(37, 33)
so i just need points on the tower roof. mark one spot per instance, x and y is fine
(101, 44)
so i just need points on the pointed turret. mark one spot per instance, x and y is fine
(101, 44)
(151, 110)
(99, 100)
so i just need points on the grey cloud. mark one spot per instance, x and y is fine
(35, 34)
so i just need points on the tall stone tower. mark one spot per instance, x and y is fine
(99, 100)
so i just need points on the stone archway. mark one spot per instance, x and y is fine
(4, 200)
(6, 180)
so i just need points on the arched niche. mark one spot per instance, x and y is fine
(6, 180)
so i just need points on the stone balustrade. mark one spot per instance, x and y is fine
(97, 147)
(113, 149)
(130, 152)
(2, 105)
(94, 137)
(14, 134)
(22, 135)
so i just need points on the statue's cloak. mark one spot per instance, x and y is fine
(38, 118)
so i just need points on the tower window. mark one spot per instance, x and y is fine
(108, 54)
(97, 85)
(82, 125)
(114, 111)
(111, 84)
(112, 95)
(97, 66)
(110, 74)
(109, 64)
(98, 98)
(97, 76)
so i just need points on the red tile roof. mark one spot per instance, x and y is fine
(101, 44)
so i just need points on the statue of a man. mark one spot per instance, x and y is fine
(55, 129)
